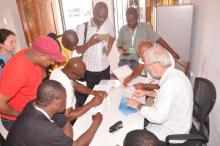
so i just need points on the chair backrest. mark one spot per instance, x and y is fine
(184, 65)
(204, 100)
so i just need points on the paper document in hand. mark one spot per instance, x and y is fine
(140, 79)
(90, 97)
(122, 72)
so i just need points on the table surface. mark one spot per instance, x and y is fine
(111, 114)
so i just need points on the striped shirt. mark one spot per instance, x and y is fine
(93, 57)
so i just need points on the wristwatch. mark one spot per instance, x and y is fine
(139, 106)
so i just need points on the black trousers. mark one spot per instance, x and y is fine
(92, 79)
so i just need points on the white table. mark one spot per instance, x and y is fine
(111, 115)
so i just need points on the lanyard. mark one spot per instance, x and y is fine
(133, 36)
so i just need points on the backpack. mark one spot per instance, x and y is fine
(85, 31)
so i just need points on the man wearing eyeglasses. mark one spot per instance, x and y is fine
(171, 112)
(67, 76)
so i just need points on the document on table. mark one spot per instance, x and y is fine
(124, 71)
(90, 97)
(126, 110)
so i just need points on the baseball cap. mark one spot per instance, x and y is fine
(47, 45)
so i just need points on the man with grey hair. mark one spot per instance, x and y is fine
(171, 112)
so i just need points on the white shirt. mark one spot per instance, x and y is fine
(43, 112)
(93, 57)
(61, 77)
(171, 112)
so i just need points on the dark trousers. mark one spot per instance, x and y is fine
(92, 79)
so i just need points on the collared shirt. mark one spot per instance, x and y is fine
(43, 112)
(171, 112)
(62, 78)
(93, 57)
(143, 32)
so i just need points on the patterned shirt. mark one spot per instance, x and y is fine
(93, 57)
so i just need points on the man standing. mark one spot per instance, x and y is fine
(131, 35)
(67, 76)
(100, 35)
(171, 112)
(22, 75)
(42, 124)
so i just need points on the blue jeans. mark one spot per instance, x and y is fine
(131, 63)
(7, 123)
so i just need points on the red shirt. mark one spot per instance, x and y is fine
(19, 81)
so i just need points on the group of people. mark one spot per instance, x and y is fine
(31, 105)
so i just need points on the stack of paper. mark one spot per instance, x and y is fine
(124, 71)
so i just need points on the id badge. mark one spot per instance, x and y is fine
(131, 50)
(104, 50)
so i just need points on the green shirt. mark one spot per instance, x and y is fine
(143, 32)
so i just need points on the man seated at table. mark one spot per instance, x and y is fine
(139, 68)
(42, 124)
(67, 76)
(140, 137)
(171, 112)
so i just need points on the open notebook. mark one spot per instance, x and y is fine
(124, 71)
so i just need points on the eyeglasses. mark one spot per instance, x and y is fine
(146, 66)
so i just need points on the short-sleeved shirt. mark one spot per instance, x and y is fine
(19, 81)
(62, 78)
(143, 32)
(93, 57)
(33, 128)
(67, 53)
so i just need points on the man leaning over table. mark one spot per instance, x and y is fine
(67, 76)
(43, 124)
(22, 74)
(131, 35)
(171, 112)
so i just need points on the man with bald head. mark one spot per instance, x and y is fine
(171, 112)
(42, 122)
(131, 35)
(67, 76)
(96, 45)
(139, 68)
(67, 41)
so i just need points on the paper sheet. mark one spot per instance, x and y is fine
(124, 71)
(98, 108)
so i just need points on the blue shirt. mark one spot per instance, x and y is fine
(5, 59)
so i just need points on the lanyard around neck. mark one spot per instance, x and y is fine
(133, 36)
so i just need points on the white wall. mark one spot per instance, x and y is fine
(206, 52)
(10, 19)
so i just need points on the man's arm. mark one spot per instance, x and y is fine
(5, 108)
(164, 44)
(93, 40)
(85, 90)
(136, 72)
(110, 43)
(68, 130)
(73, 114)
(86, 138)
